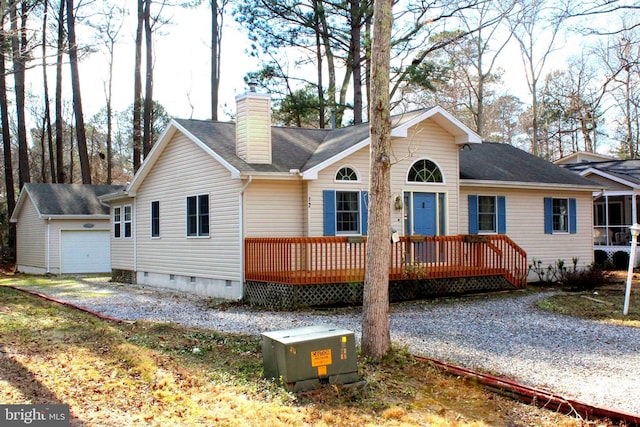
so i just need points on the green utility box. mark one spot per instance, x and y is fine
(307, 358)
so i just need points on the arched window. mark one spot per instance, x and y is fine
(347, 174)
(424, 171)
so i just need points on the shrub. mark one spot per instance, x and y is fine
(600, 257)
(621, 260)
(585, 280)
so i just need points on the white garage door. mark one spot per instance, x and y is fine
(85, 251)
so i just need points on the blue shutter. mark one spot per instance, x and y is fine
(502, 215)
(573, 226)
(548, 215)
(473, 214)
(364, 206)
(329, 212)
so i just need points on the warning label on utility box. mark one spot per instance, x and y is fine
(321, 357)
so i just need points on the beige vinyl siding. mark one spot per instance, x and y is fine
(274, 208)
(183, 170)
(122, 256)
(38, 239)
(359, 161)
(253, 128)
(31, 235)
(426, 140)
(525, 224)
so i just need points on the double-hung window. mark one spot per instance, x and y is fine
(117, 222)
(347, 212)
(127, 221)
(560, 215)
(487, 214)
(198, 216)
(155, 219)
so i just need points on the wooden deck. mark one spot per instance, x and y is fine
(321, 260)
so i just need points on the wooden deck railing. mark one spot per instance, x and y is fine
(316, 260)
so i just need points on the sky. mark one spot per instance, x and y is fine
(182, 67)
(181, 70)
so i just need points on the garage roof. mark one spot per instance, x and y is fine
(65, 200)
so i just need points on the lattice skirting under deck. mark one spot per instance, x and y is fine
(280, 296)
(123, 276)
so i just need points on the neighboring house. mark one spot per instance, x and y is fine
(218, 207)
(615, 203)
(62, 228)
(583, 157)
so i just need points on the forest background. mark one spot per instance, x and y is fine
(88, 86)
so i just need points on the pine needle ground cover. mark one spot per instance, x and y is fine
(166, 375)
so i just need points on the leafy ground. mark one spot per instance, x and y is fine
(151, 374)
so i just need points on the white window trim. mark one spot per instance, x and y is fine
(349, 233)
(567, 216)
(120, 222)
(495, 214)
(342, 181)
(151, 220)
(186, 212)
(406, 177)
(124, 221)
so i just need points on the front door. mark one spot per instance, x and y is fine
(424, 214)
(424, 223)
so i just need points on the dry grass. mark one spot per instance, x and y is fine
(149, 374)
(604, 304)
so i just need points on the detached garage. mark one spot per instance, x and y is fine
(63, 229)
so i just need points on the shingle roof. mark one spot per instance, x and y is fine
(69, 199)
(628, 170)
(503, 162)
(303, 149)
(291, 147)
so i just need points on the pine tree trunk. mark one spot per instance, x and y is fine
(47, 107)
(60, 178)
(81, 137)
(137, 91)
(215, 58)
(18, 40)
(148, 96)
(6, 139)
(376, 340)
(356, 65)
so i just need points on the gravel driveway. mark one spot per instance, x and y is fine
(502, 334)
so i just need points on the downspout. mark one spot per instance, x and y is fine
(134, 226)
(48, 245)
(241, 203)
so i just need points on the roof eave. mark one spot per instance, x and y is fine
(270, 175)
(606, 175)
(527, 185)
(87, 217)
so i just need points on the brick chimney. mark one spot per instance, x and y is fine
(253, 126)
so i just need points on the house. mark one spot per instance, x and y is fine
(62, 228)
(615, 204)
(582, 157)
(247, 209)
